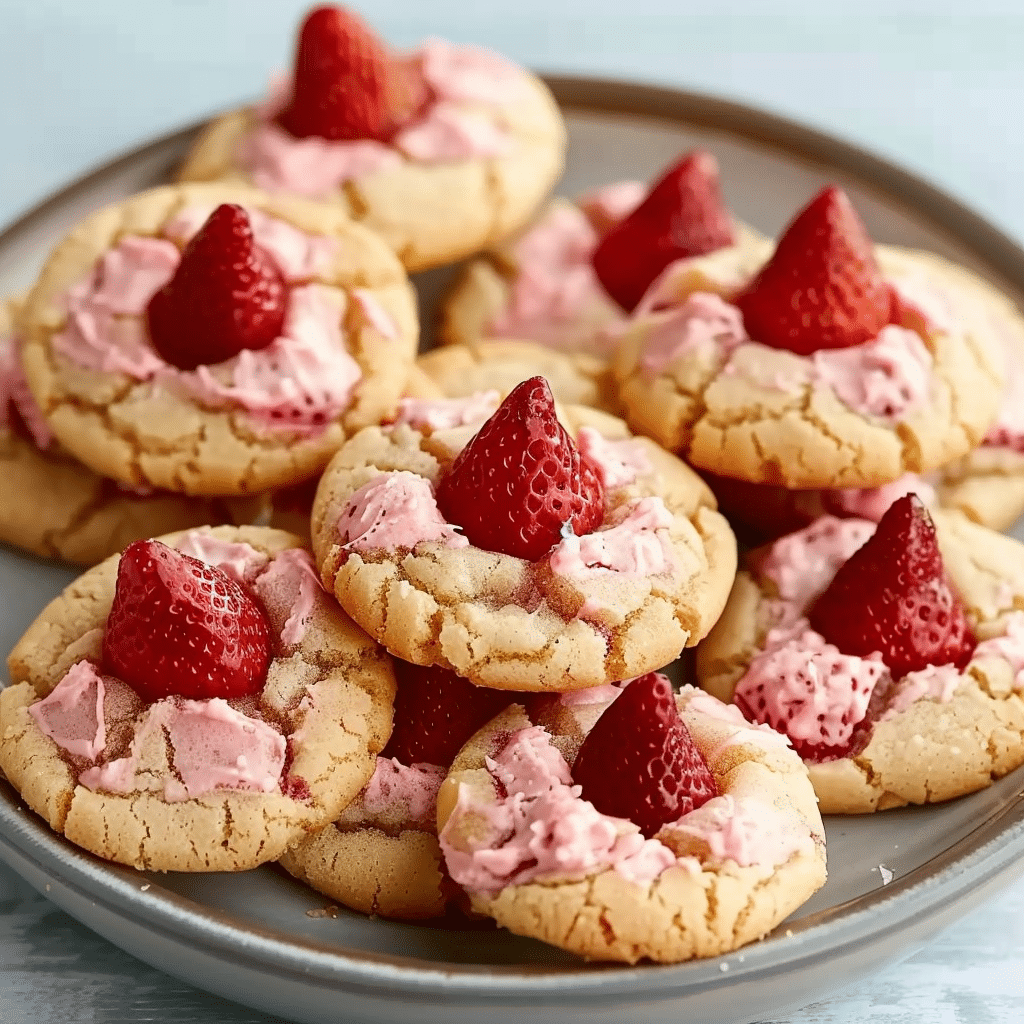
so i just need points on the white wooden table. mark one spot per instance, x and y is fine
(937, 86)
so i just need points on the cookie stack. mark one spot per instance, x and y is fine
(451, 699)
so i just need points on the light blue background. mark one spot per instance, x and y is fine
(937, 86)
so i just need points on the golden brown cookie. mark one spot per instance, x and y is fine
(908, 401)
(610, 605)
(930, 736)
(259, 420)
(544, 862)
(191, 784)
(472, 168)
(53, 506)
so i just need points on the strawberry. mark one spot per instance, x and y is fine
(822, 288)
(226, 295)
(436, 711)
(179, 626)
(682, 216)
(640, 762)
(521, 481)
(892, 596)
(347, 85)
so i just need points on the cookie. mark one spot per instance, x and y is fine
(613, 604)
(927, 736)
(913, 397)
(576, 378)
(53, 506)
(542, 861)
(465, 170)
(191, 784)
(542, 286)
(256, 421)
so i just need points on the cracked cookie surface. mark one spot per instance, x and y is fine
(688, 892)
(942, 735)
(430, 213)
(908, 401)
(244, 425)
(504, 622)
(126, 781)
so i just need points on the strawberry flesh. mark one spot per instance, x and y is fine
(892, 596)
(347, 84)
(640, 762)
(179, 626)
(682, 216)
(436, 711)
(822, 287)
(521, 481)
(227, 294)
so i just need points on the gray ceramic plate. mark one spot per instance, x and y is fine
(263, 940)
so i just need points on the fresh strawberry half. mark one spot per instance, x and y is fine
(892, 596)
(640, 762)
(226, 295)
(436, 711)
(682, 216)
(179, 626)
(347, 84)
(521, 481)
(822, 288)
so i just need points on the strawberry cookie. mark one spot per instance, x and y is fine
(516, 552)
(891, 655)
(830, 366)
(216, 341)
(382, 856)
(667, 829)
(442, 150)
(570, 279)
(55, 507)
(196, 704)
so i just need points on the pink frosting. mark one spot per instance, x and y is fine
(379, 318)
(887, 377)
(239, 560)
(935, 682)
(601, 694)
(636, 546)
(291, 573)
(747, 831)
(744, 732)
(301, 381)
(1008, 430)
(447, 413)
(807, 688)
(8, 368)
(449, 129)
(213, 747)
(555, 297)
(14, 391)
(410, 789)
(604, 207)
(72, 713)
(803, 564)
(395, 510)
(1009, 646)
(618, 463)
(541, 828)
(873, 502)
(704, 322)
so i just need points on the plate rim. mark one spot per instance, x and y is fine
(991, 849)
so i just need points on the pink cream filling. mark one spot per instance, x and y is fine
(14, 391)
(461, 79)
(637, 546)
(395, 510)
(72, 713)
(873, 502)
(447, 413)
(1009, 647)
(704, 323)
(409, 789)
(300, 382)
(8, 368)
(604, 207)
(618, 463)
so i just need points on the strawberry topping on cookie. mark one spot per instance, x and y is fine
(822, 288)
(347, 84)
(682, 216)
(436, 711)
(226, 295)
(892, 596)
(179, 626)
(640, 762)
(521, 482)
